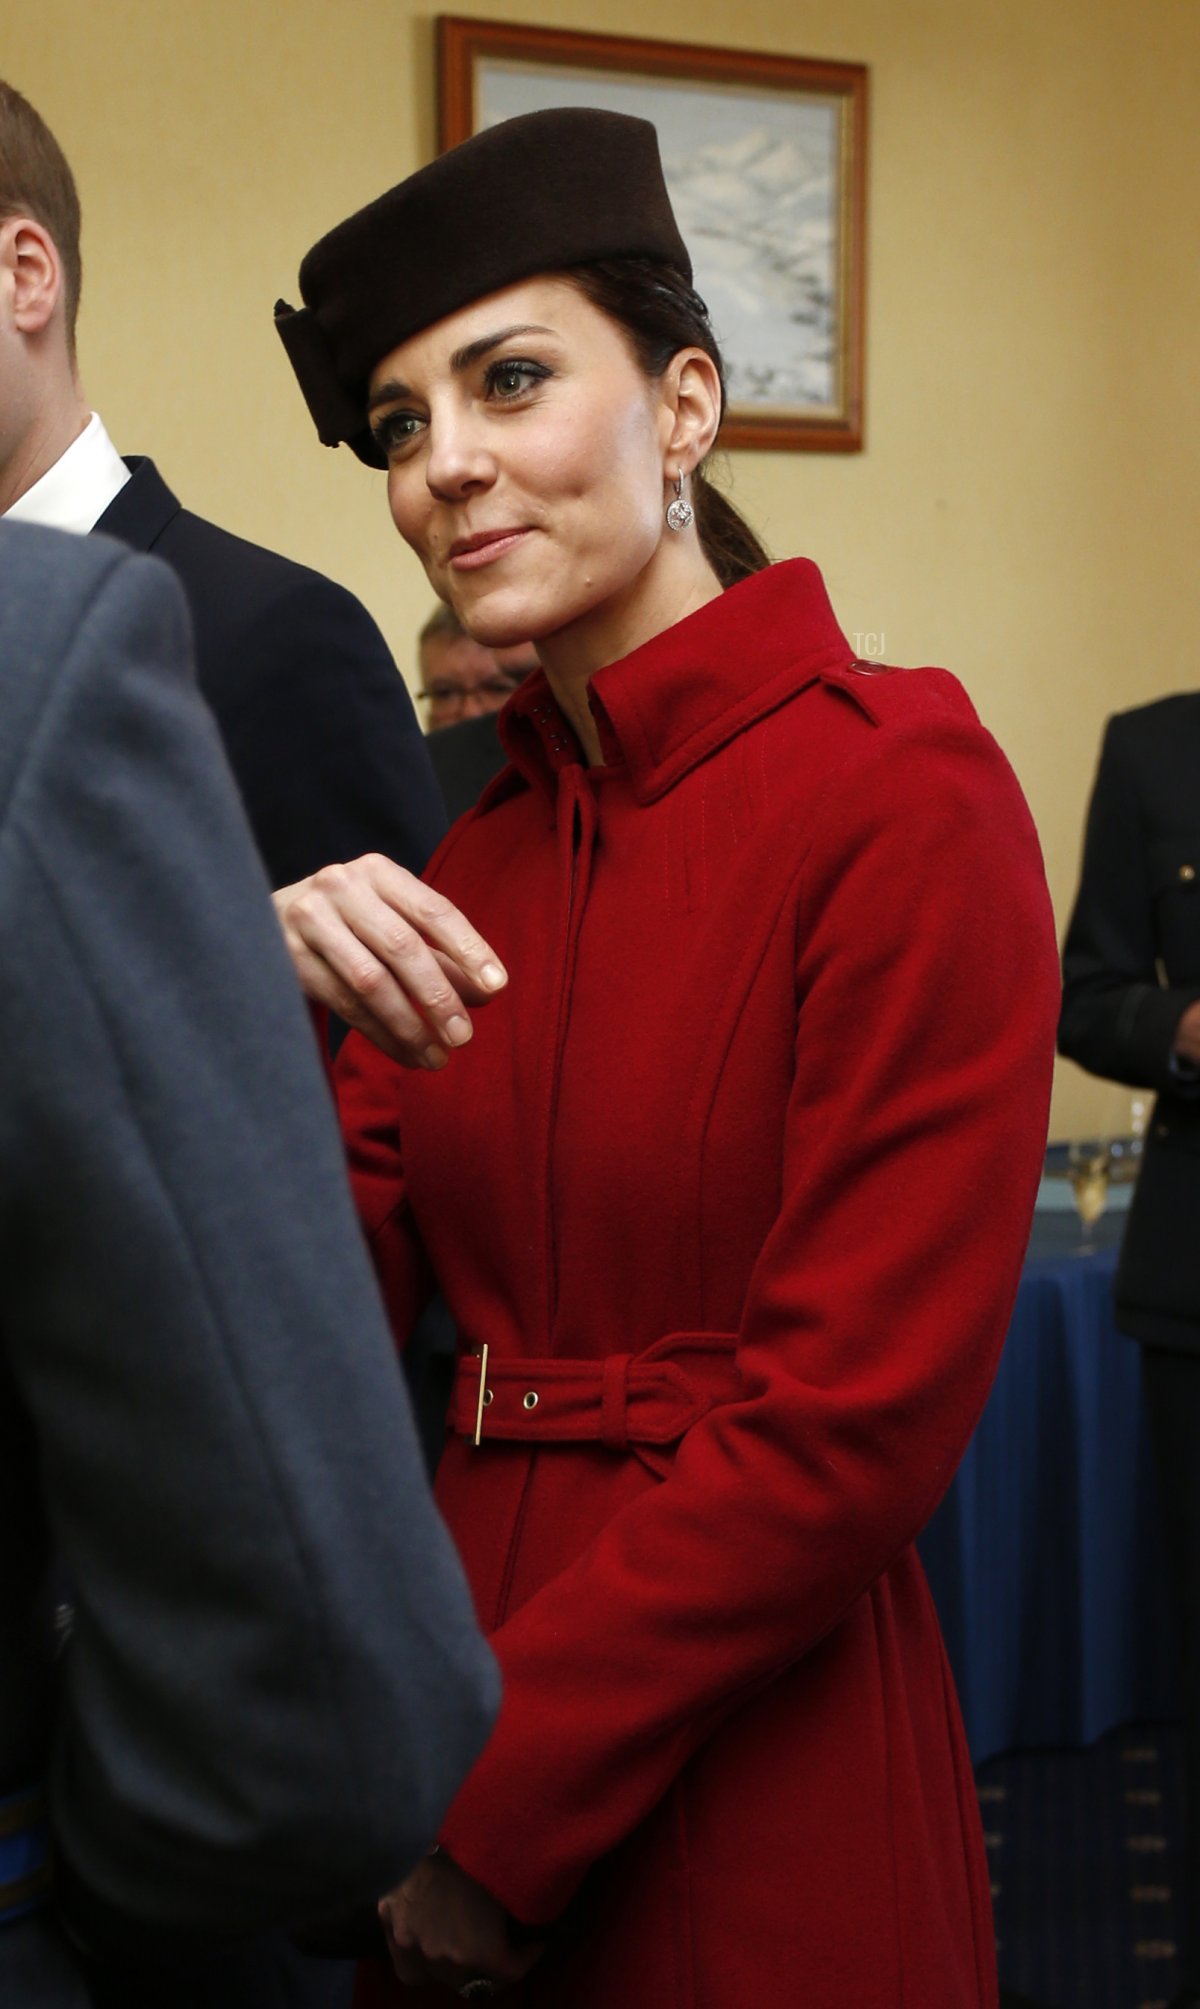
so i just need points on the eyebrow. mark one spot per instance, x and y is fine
(462, 359)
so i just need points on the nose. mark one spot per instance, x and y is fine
(458, 461)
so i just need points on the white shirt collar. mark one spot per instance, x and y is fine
(76, 491)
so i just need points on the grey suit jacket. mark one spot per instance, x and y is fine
(275, 1683)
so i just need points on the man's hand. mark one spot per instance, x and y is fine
(1187, 1035)
(389, 955)
(443, 1926)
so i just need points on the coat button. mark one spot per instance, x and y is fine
(530, 1400)
(487, 1398)
(1162, 1130)
(1187, 873)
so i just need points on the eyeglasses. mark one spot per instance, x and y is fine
(499, 687)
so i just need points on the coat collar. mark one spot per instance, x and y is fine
(143, 509)
(686, 693)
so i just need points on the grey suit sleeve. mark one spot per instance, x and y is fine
(1117, 1019)
(275, 1682)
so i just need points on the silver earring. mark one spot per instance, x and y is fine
(680, 511)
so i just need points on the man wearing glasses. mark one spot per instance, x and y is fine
(460, 678)
(463, 685)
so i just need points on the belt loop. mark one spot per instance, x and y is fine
(614, 1396)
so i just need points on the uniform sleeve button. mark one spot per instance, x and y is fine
(1187, 872)
(531, 1401)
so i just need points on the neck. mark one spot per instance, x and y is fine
(55, 423)
(681, 584)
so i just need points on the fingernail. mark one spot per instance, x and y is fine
(458, 1029)
(434, 1056)
(493, 976)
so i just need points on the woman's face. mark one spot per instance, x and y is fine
(525, 453)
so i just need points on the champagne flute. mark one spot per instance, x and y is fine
(1089, 1162)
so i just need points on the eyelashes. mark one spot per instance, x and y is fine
(395, 430)
(507, 381)
(513, 375)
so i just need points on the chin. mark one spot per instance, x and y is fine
(499, 620)
(496, 634)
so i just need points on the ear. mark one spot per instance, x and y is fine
(691, 391)
(29, 263)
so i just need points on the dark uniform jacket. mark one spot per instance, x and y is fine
(274, 1682)
(318, 726)
(1131, 967)
(465, 758)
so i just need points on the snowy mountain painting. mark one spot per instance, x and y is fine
(758, 215)
(753, 176)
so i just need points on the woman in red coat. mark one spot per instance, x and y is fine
(729, 1192)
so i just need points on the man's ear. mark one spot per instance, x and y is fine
(691, 390)
(30, 262)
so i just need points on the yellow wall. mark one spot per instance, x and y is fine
(1026, 508)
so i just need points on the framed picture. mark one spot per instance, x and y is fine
(765, 159)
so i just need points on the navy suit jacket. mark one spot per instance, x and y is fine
(317, 723)
(1131, 967)
(275, 1683)
(465, 758)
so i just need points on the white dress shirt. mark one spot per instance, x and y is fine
(76, 491)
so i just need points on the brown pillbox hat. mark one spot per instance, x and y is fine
(536, 194)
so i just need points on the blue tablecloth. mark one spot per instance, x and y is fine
(1045, 1559)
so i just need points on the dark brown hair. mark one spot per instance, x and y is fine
(36, 181)
(662, 314)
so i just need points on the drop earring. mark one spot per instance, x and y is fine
(680, 511)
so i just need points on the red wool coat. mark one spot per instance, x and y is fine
(735, 1182)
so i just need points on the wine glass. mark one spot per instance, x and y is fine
(1089, 1162)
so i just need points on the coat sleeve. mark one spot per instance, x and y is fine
(274, 1683)
(324, 742)
(926, 981)
(1117, 1019)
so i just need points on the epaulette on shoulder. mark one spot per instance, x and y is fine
(898, 697)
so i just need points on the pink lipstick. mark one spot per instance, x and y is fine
(468, 553)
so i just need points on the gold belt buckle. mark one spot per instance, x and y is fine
(483, 1393)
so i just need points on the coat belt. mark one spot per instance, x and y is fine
(623, 1401)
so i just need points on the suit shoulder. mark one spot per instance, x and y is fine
(50, 582)
(65, 603)
(1163, 720)
(204, 554)
(1159, 711)
(34, 560)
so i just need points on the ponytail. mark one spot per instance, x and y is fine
(731, 547)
